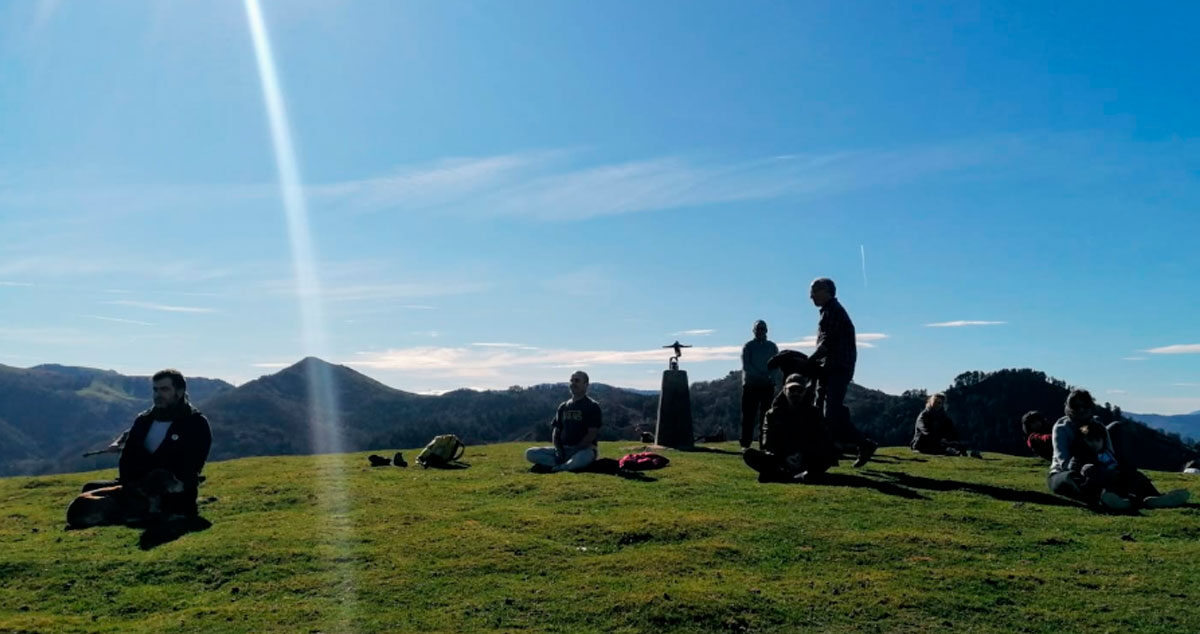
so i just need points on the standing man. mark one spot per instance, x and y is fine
(574, 429)
(159, 470)
(837, 354)
(758, 382)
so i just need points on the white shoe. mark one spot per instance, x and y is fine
(1114, 502)
(1178, 497)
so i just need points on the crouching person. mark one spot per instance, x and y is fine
(159, 471)
(574, 429)
(1084, 467)
(796, 444)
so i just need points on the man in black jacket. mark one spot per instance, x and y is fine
(837, 353)
(159, 469)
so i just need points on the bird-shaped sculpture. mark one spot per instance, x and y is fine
(678, 347)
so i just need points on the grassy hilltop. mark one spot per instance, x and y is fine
(908, 544)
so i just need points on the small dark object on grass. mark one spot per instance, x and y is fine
(1127, 537)
(647, 437)
(399, 460)
(717, 437)
(378, 461)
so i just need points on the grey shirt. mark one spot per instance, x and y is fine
(755, 355)
(1064, 438)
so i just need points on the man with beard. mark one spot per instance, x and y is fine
(159, 470)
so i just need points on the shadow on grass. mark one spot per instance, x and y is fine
(158, 534)
(861, 482)
(1000, 493)
(701, 449)
(603, 466)
(894, 459)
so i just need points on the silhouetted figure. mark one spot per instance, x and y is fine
(574, 429)
(758, 381)
(935, 433)
(1037, 434)
(796, 444)
(837, 354)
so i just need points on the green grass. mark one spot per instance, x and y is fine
(907, 545)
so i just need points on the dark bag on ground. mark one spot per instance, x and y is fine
(441, 451)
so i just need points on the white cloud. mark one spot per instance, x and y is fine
(484, 361)
(1183, 348)
(16, 284)
(699, 332)
(498, 345)
(121, 321)
(161, 307)
(1185, 384)
(962, 323)
(270, 364)
(1115, 392)
(1133, 358)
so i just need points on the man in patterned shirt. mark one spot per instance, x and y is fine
(837, 354)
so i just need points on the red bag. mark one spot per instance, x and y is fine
(643, 461)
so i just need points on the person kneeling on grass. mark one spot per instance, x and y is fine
(935, 433)
(1084, 467)
(796, 444)
(574, 429)
(159, 470)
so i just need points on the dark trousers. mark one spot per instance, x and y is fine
(831, 397)
(756, 400)
(1123, 481)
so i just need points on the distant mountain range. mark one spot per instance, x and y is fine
(1186, 425)
(51, 414)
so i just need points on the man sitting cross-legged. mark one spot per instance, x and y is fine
(574, 429)
(159, 469)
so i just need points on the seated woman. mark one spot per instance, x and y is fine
(796, 444)
(935, 432)
(1037, 434)
(1084, 467)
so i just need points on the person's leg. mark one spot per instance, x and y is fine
(763, 394)
(749, 415)
(1071, 485)
(578, 460)
(97, 507)
(98, 484)
(544, 456)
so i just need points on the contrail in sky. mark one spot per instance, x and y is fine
(863, 250)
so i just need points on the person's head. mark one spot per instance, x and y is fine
(759, 329)
(1080, 405)
(579, 384)
(794, 387)
(935, 401)
(821, 291)
(1093, 435)
(1033, 422)
(170, 388)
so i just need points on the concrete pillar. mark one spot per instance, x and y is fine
(674, 411)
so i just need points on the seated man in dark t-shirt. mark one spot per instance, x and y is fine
(573, 430)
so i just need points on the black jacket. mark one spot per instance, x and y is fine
(183, 452)
(933, 426)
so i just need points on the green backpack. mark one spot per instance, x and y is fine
(441, 451)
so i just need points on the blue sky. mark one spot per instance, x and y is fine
(499, 192)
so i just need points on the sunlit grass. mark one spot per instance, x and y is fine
(700, 547)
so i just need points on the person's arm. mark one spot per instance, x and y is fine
(922, 424)
(1060, 442)
(196, 453)
(745, 358)
(822, 351)
(589, 438)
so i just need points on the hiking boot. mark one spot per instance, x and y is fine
(378, 461)
(399, 460)
(1178, 497)
(1114, 502)
(540, 468)
(865, 451)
